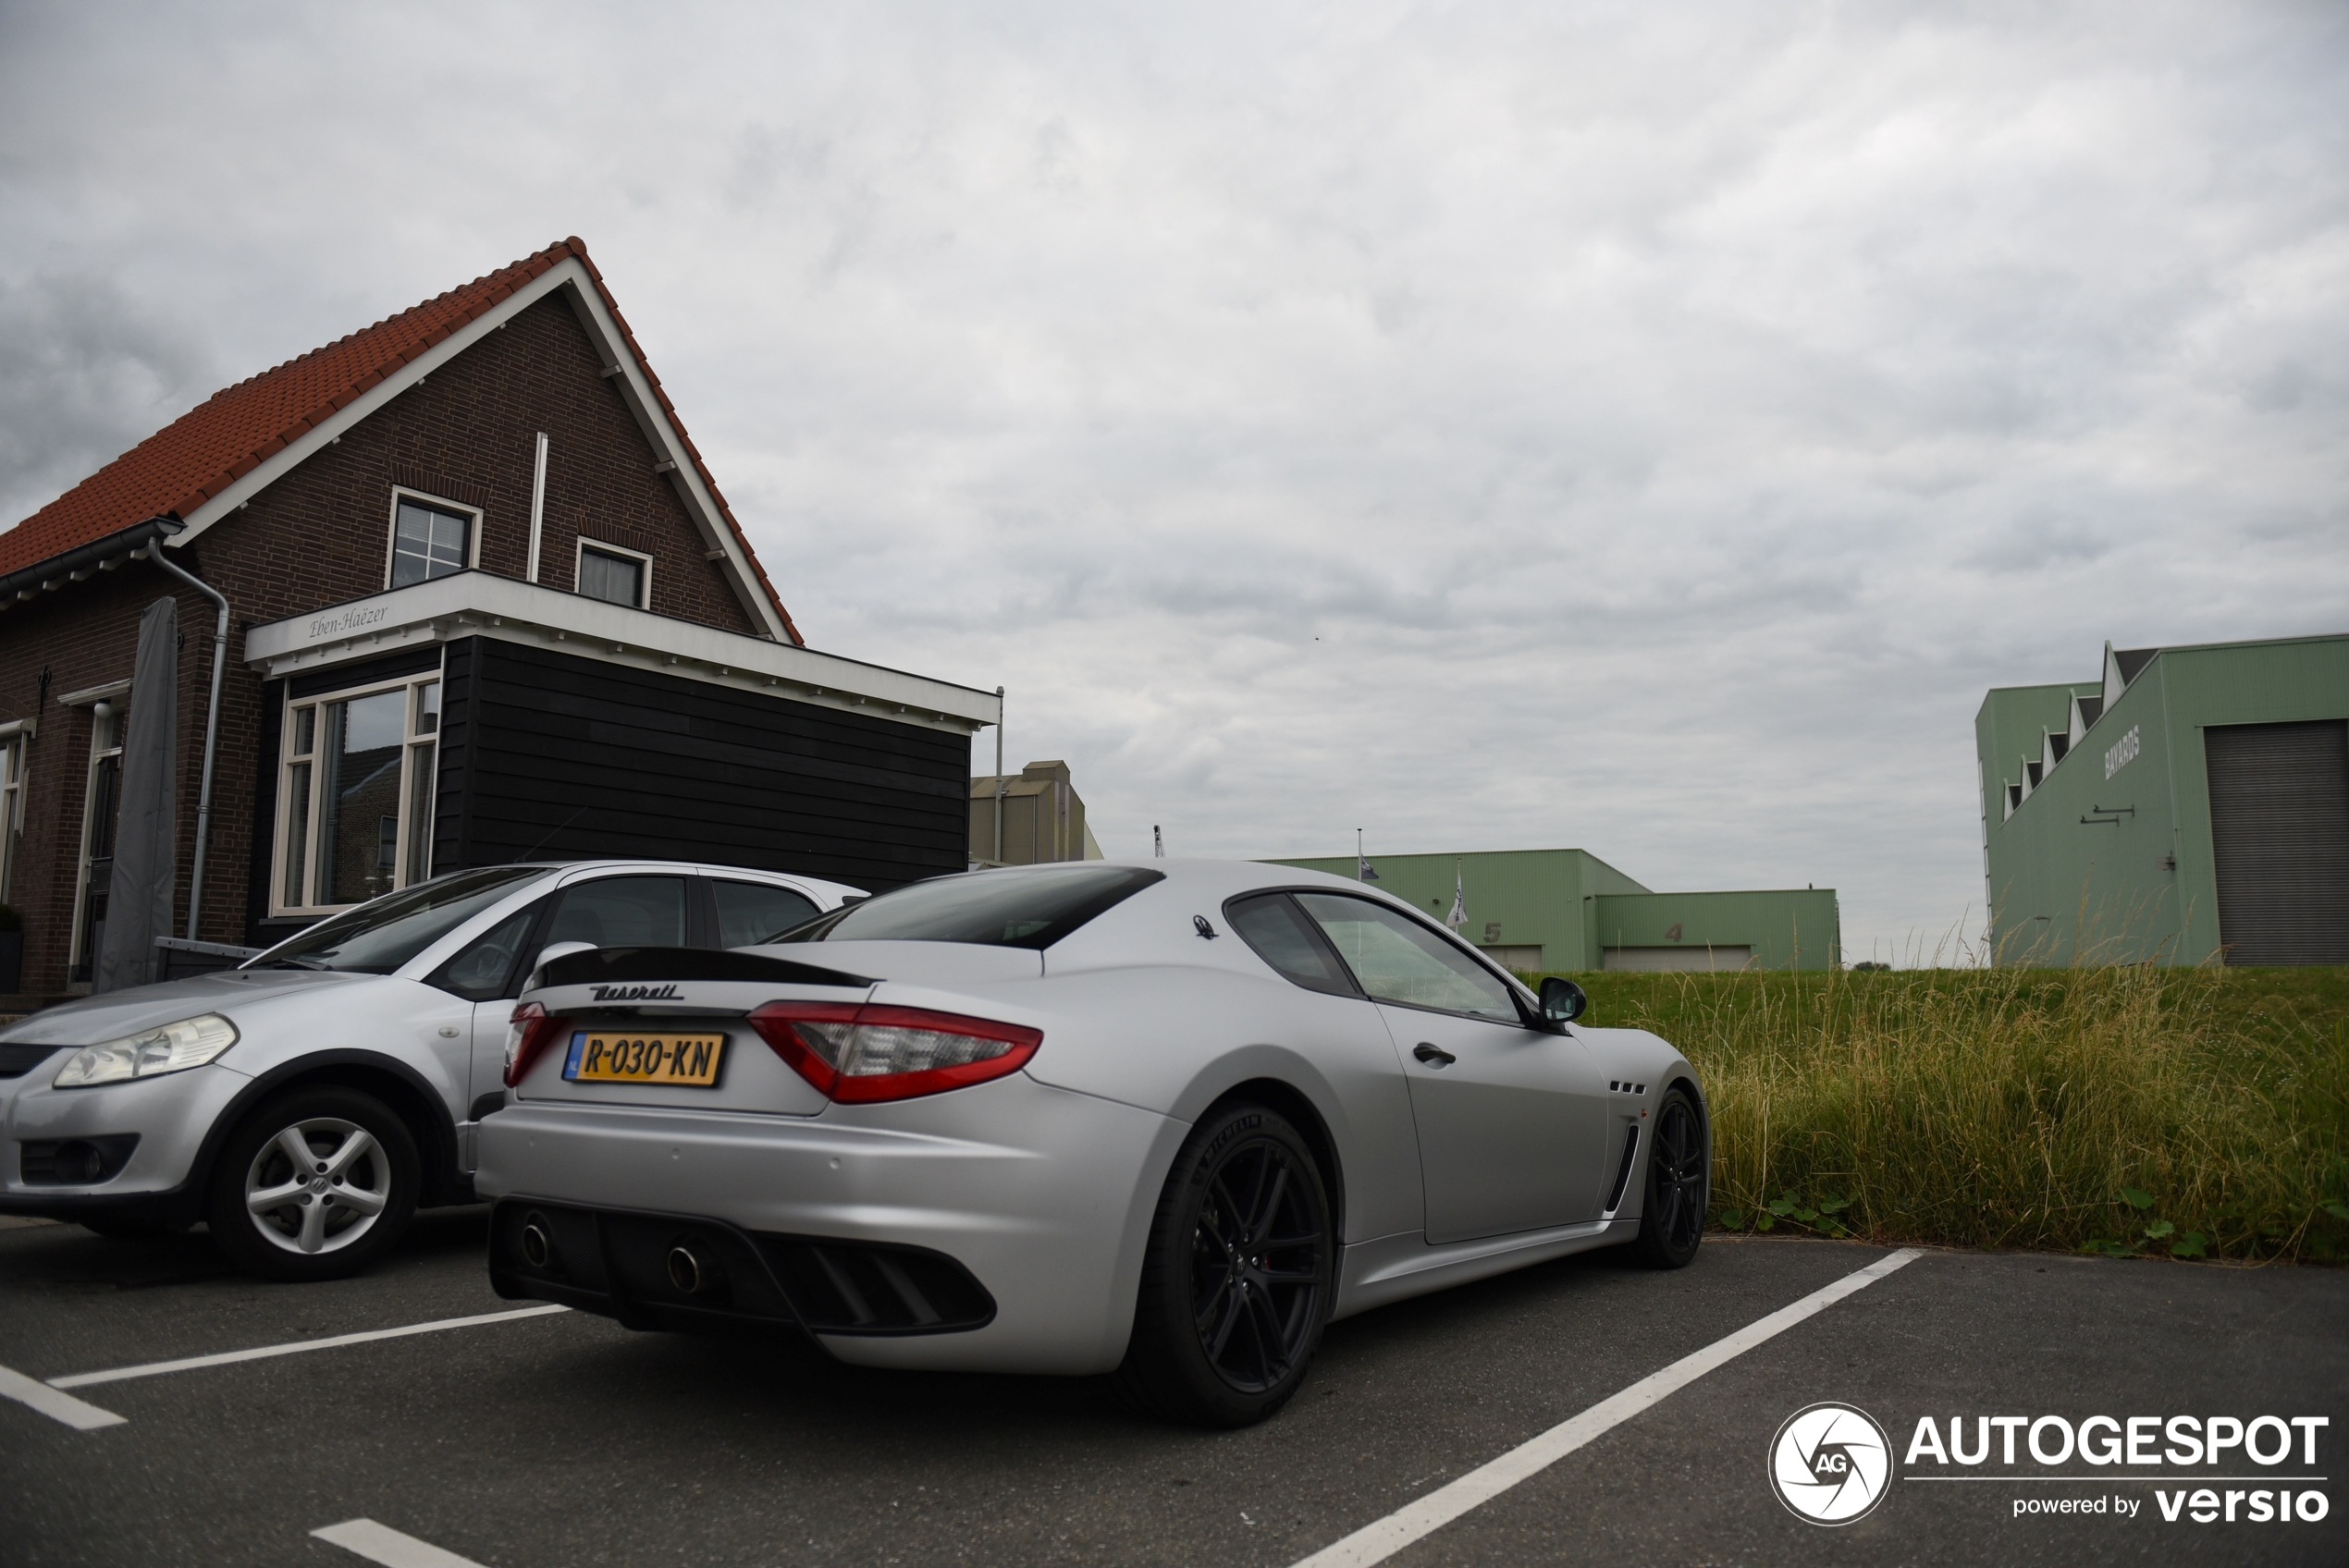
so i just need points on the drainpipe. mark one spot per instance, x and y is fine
(537, 505)
(211, 721)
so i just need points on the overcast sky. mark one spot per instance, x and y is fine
(1644, 428)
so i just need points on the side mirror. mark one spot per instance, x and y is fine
(550, 952)
(1562, 1000)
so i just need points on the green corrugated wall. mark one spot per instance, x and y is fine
(2063, 889)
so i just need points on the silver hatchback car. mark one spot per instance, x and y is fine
(307, 1103)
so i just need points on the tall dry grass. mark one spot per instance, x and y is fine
(2196, 1112)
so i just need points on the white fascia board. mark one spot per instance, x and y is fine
(319, 436)
(480, 604)
(669, 447)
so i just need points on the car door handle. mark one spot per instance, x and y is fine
(1434, 1055)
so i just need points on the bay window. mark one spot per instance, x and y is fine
(355, 794)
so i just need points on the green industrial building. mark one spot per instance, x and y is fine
(1552, 910)
(2192, 804)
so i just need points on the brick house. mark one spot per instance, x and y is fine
(486, 602)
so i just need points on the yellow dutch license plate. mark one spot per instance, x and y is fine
(686, 1060)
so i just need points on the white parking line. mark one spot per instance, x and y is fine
(40, 1396)
(381, 1543)
(1378, 1541)
(261, 1352)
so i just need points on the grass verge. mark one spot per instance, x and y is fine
(2187, 1112)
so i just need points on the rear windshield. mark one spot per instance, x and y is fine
(379, 936)
(1000, 909)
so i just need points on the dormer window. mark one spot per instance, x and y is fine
(430, 540)
(614, 575)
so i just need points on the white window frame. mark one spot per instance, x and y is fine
(118, 715)
(579, 565)
(14, 753)
(439, 502)
(413, 741)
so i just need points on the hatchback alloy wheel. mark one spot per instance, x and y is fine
(318, 1185)
(313, 1184)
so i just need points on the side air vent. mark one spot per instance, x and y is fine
(1623, 1177)
(847, 1288)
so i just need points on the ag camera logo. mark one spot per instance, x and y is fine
(1830, 1463)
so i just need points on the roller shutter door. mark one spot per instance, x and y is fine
(2280, 838)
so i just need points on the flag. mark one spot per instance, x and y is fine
(1362, 871)
(1458, 917)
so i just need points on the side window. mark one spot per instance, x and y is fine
(428, 542)
(1398, 960)
(753, 912)
(612, 576)
(622, 912)
(481, 971)
(1272, 925)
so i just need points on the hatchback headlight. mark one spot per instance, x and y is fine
(174, 1047)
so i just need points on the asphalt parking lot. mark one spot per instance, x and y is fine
(562, 1439)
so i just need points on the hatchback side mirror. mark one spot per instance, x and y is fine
(1562, 1000)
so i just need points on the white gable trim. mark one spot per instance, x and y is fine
(669, 447)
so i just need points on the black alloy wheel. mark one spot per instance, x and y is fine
(1237, 1282)
(1672, 1216)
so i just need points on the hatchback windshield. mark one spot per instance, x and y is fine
(377, 937)
(1003, 908)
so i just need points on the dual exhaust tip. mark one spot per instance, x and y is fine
(689, 1271)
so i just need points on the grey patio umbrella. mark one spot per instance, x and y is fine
(145, 862)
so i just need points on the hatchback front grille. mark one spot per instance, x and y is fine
(18, 1060)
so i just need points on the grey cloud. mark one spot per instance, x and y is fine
(86, 372)
(1668, 421)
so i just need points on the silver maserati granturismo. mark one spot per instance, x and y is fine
(1165, 1120)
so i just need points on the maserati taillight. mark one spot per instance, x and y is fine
(528, 1033)
(860, 1054)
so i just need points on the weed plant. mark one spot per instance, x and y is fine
(2128, 1109)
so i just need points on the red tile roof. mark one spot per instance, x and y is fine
(210, 448)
